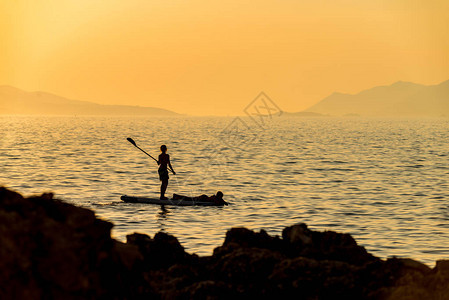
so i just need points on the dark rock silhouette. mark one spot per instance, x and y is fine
(54, 250)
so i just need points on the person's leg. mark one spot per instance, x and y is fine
(164, 188)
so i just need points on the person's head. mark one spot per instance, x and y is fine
(163, 148)
(219, 195)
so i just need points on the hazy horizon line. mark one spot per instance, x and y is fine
(182, 114)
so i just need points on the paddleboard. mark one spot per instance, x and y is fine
(183, 202)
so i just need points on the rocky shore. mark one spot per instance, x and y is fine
(53, 250)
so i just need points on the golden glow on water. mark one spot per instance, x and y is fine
(207, 57)
(385, 181)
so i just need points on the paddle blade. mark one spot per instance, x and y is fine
(131, 141)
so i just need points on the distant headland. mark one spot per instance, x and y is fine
(14, 101)
(399, 99)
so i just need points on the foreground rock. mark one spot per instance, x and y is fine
(54, 250)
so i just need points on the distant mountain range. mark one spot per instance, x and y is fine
(398, 99)
(16, 101)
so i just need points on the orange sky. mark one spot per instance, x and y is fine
(214, 57)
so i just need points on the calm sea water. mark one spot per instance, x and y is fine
(385, 181)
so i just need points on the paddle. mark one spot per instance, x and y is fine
(134, 143)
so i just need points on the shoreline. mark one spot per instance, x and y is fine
(52, 249)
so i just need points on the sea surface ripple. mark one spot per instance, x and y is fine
(384, 181)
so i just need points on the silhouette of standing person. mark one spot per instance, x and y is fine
(164, 162)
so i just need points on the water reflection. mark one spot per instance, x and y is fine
(162, 218)
(366, 177)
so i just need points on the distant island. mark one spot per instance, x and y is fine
(18, 102)
(398, 99)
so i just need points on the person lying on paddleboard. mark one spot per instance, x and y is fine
(164, 162)
(217, 199)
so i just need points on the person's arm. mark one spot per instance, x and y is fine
(169, 165)
(159, 160)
